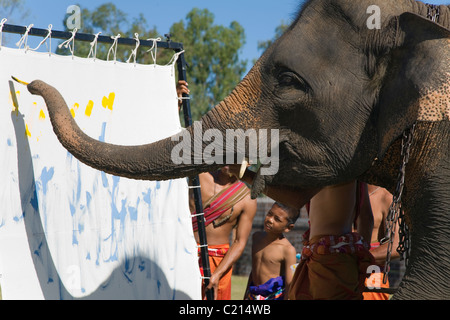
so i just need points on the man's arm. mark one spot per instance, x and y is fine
(243, 230)
(380, 253)
(365, 221)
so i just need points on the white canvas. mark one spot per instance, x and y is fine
(68, 231)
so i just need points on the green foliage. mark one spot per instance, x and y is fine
(212, 51)
(212, 56)
(111, 21)
(13, 10)
(10, 8)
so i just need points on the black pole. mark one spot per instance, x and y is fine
(64, 35)
(195, 184)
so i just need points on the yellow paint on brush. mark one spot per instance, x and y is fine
(89, 108)
(109, 102)
(41, 115)
(20, 81)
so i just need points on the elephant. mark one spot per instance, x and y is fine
(340, 93)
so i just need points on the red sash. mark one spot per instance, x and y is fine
(222, 202)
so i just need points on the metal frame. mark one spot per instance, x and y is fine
(182, 75)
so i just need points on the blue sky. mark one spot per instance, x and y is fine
(258, 17)
(259, 23)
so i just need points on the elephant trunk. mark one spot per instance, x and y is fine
(426, 203)
(161, 160)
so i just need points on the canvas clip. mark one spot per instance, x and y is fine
(24, 40)
(66, 43)
(2, 23)
(49, 36)
(93, 45)
(154, 49)
(134, 52)
(114, 47)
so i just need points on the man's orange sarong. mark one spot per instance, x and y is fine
(376, 280)
(213, 209)
(216, 255)
(331, 268)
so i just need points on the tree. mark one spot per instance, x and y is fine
(8, 8)
(111, 21)
(11, 9)
(212, 53)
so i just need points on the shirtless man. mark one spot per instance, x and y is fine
(242, 209)
(240, 216)
(334, 259)
(380, 200)
(272, 256)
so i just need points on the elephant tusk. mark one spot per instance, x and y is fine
(20, 81)
(243, 168)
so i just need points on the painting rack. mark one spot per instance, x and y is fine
(177, 47)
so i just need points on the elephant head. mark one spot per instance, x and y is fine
(340, 92)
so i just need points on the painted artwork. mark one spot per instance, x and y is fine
(68, 231)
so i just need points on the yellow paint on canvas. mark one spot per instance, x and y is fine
(14, 102)
(109, 102)
(89, 108)
(41, 115)
(75, 107)
(27, 132)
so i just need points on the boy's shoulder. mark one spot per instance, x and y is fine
(286, 246)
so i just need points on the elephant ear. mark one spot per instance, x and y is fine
(410, 71)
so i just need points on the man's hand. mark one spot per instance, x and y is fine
(213, 284)
(182, 87)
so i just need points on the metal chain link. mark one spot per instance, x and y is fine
(395, 210)
(433, 12)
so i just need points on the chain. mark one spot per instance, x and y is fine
(395, 210)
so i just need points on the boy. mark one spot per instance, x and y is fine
(272, 256)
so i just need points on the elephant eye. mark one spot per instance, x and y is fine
(291, 79)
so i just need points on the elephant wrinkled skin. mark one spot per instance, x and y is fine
(341, 95)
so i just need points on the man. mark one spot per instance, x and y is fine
(380, 200)
(227, 205)
(334, 259)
